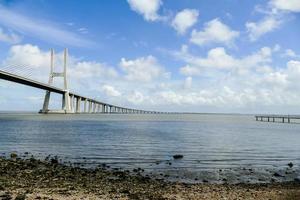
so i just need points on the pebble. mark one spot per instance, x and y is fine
(178, 156)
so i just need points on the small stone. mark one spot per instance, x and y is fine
(290, 164)
(20, 197)
(277, 175)
(297, 179)
(13, 155)
(54, 161)
(178, 156)
(135, 170)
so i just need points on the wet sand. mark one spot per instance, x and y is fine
(34, 179)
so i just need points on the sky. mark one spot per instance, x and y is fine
(219, 56)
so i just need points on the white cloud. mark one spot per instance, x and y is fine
(286, 5)
(83, 30)
(41, 29)
(290, 53)
(89, 69)
(218, 59)
(111, 91)
(147, 8)
(189, 70)
(28, 55)
(184, 20)
(188, 82)
(143, 69)
(214, 32)
(11, 38)
(136, 97)
(260, 28)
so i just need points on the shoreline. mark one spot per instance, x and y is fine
(36, 179)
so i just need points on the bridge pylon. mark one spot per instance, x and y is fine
(66, 100)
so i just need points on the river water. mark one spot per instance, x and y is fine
(216, 147)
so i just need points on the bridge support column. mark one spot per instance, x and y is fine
(46, 103)
(78, 104)
(66, 107)
(85, 104)
(90, 107)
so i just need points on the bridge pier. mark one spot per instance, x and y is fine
(85, 104)
(78, 103)
(89, 106)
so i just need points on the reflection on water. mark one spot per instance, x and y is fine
(149, 141)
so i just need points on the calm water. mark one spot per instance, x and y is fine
(208, 142)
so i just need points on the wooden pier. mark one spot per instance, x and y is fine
(278, 118)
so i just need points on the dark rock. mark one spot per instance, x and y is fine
(277, 175)
(54, 161)
(290, 164)
(178, 156)
(20, 197)
(297, 179)
(13, 155)
(135, 170)
(205, 181)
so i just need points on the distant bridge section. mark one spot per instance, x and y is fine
(278, 118)
(71, 102)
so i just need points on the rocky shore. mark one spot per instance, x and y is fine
(48, 179)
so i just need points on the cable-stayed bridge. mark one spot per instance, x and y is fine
(71, 102)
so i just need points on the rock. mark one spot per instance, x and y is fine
(277, 175)
(5, 196)
(177, 156)
(290, 164)
(297, 179)
(13, 155)
(20, 197)
(135, 170)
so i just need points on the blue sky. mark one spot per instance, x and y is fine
(196, 56)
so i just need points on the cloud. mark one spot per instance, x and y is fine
(184, 20)
(290, 53)
(83, 30)
(43, 30)
(188, 82)
(143, 69)
(27, 55)
(214, 32)
(218, 59)
(257, 29)
(286, 5)
(11, 38)
(147, 8)
(136, 97)
(111, 91)
(90, 69)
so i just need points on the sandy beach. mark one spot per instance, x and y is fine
(35, 179)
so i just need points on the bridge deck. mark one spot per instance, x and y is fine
(277, 118)
(36, 84)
